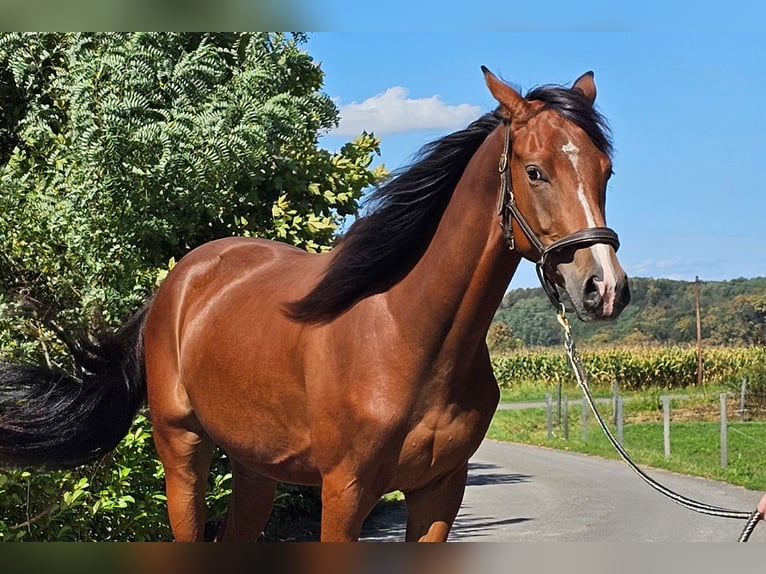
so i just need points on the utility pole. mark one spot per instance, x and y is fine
(699, 329)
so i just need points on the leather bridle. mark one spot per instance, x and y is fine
(509, 211)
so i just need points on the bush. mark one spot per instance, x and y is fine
(119, 153)
(120, 498)
(122, 152)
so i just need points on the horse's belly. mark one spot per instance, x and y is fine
(264, 439)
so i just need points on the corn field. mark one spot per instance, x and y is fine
(634, 368)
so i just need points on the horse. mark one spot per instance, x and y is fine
(364, 369)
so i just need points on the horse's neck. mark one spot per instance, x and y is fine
(447, 302)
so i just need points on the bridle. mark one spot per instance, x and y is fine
(508, 210)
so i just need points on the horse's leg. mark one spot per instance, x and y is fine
(346, 502)
(252, 498)
(186, 456)
(432, 510)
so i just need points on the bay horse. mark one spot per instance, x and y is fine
(364, 369)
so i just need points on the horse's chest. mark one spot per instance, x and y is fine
(440, 442)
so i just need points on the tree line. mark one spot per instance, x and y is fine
(662, 311)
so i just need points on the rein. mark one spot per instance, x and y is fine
(752, 518)
(508, 210)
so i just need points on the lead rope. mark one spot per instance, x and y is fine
(574, 361)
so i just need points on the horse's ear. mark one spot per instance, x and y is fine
(514, 107)
(587, 86)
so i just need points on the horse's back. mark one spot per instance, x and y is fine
(229, 278)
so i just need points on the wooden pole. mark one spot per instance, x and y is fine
(699, 329)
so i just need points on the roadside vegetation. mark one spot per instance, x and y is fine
(694, 429)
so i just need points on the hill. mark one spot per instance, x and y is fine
(661, 311)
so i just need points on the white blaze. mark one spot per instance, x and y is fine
(607, 286)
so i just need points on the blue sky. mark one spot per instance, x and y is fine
(687, 111)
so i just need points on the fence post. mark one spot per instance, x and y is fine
(615, 393)
(584, 417)
(549, 414)
(724, 442)
(619, 419)
(742, 393)
(666, 424)
(558, 405)
(566, 418)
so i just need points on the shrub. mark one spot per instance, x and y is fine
(120, 498)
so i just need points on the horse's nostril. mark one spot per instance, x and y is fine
(592, 299)
(590, 286)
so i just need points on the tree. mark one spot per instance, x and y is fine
(121, 152)
(660, 311)
(751, 312)
(500, 338)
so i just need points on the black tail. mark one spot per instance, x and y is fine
(59, 420)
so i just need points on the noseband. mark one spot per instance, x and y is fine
(509, 210)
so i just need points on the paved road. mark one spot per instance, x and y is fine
(520, 493)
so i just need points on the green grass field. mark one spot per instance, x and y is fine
(694, 433)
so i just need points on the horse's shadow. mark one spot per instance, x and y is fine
(478, 477)
(388, 520)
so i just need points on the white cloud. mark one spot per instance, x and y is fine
(393, 112)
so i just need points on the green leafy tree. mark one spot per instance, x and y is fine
(751, 312)
(500, 338)
(119, 153)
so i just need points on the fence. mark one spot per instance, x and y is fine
(558, 415)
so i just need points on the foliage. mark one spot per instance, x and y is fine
(660, 311)
(695, 445)
(694, 431)
(121, 152)
(754, 378)
(500, 338)
(119, 498)
(634, 368)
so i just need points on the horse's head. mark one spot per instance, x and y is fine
(553, 193)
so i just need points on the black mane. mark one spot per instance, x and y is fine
(380, 248)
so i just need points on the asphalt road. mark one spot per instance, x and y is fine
(518, 493)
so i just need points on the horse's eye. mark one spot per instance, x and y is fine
(534, 174)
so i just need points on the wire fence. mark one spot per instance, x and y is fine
(570, 418)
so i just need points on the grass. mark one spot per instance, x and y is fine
(529, 391)
(694, 433)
